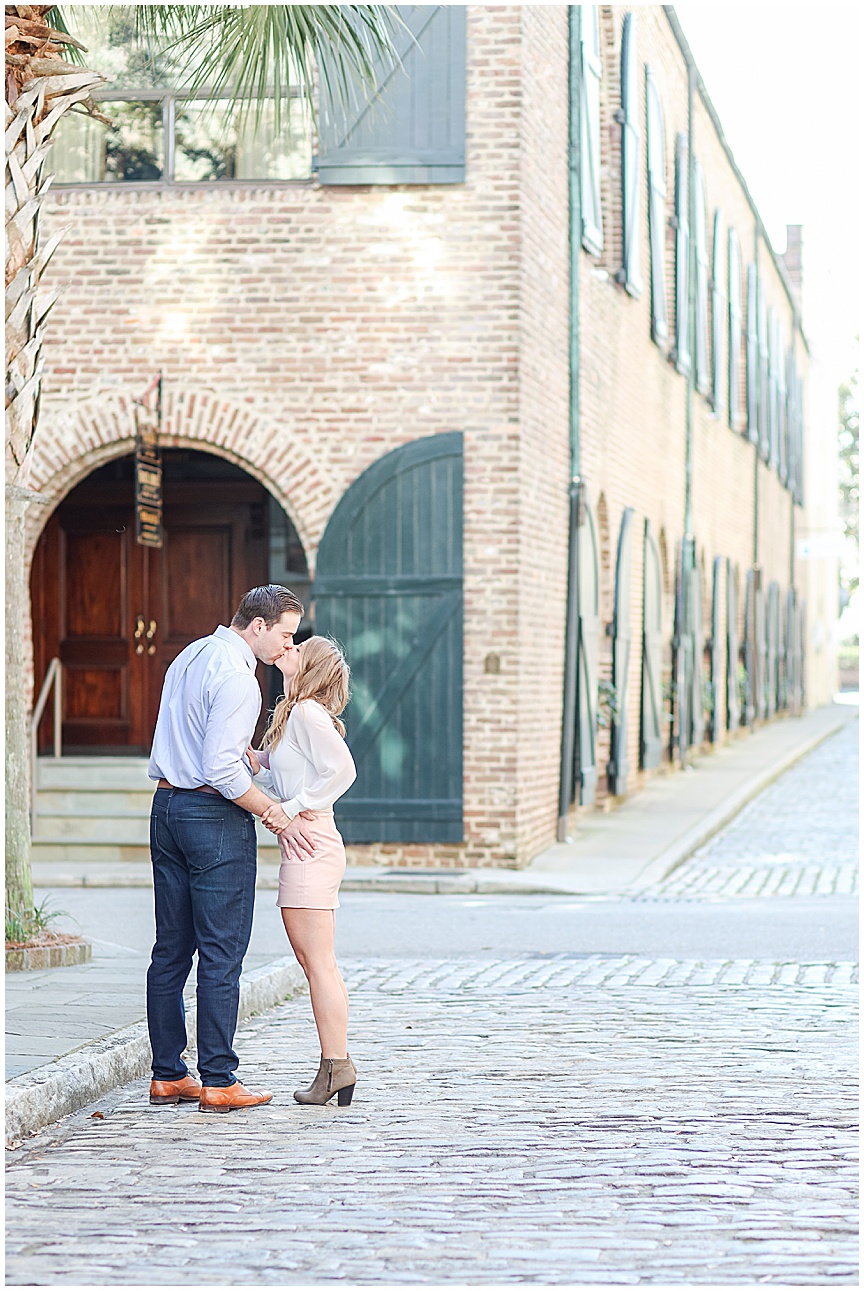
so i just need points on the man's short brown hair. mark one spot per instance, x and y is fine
(268, 603)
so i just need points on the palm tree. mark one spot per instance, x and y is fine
(254, 53)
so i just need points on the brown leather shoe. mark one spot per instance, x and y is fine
(215, 1098)
(186, 1090)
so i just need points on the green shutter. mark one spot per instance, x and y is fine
(389, 586)
(752, 356)
(734, 331)
(413, 131)
(782, 416)
(700, 237)
(716, 647)
(618, 767)
(718, 315)
(682, 255)
(682, 657)
(763, 390)
(696, 626)
(652, 723)
(592, 74)
(733, 688)
(630, 276)
(772, 632)
(657, 209)
(587, 683)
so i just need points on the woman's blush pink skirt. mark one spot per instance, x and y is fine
(313, 884)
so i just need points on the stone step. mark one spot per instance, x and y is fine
(108, 802)
(93, 775)
(83, 851)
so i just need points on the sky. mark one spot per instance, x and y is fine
(785, 80)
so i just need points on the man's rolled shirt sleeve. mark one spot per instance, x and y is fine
(234, 710)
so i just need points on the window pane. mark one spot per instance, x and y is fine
(78, 150)
(130, 151)
(211, 144)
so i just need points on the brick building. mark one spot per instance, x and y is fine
(413, 373)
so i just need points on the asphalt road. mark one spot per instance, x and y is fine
(806, 929)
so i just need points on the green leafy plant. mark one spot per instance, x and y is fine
(608, 707)
(24, 926)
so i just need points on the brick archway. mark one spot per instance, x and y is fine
(74, 440)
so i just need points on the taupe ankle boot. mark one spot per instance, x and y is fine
(334, 1076)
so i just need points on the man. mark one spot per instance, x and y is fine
(203, 846)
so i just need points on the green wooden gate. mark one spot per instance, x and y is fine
(388, 586)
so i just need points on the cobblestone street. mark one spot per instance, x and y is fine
(546, 1118)
(796, 839)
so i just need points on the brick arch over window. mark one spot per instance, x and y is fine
(75, 440)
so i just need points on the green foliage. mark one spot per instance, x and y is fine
(849, 477)
(607, 705)
(27, 925)
(256, 53)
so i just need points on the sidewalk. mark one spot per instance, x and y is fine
(637, 843)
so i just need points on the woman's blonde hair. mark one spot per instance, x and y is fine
(323, 675)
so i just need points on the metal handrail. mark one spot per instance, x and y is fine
(53, 677)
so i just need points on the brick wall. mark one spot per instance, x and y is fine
(304, 332)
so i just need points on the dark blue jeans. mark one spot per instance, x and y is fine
(204, 860)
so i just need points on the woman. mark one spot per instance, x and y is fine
(306, 763)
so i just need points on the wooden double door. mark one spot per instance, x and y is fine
(117, 613)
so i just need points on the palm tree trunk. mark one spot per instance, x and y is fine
(19, 883)
(40, 88)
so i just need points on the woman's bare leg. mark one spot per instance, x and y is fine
(311, 933)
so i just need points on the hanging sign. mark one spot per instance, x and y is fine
(148, 467)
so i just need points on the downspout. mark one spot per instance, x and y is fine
(571, 646)
(757, 377)
(689, 538)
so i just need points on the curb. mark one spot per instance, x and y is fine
(48, 1093)
(62, 954)
(683, 848)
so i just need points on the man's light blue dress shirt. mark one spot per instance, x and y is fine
(207, 715)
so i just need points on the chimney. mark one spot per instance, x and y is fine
(792, 260)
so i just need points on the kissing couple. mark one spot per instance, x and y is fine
(211, 784)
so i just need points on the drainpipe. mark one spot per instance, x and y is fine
(689, 538)
(571, 647)
(758, 379)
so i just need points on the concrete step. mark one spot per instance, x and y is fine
(93, 775)
(57, 848)
(80, 802)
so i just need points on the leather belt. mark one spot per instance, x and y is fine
(201, 788)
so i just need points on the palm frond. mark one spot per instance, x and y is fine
(259, 53)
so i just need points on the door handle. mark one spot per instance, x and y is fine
(139, 627)
(151, 631)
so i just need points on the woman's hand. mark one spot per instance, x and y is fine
(253, 760)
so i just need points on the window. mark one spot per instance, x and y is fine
(752, 357)
(734, 331)
(657, 209)
(162, 138)
(718, 314)
(592, 71)
(159, 135)
(682, 256)
(631, 148)
(700, 234)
